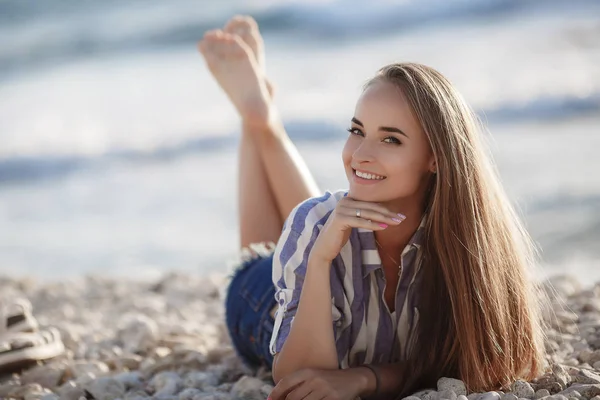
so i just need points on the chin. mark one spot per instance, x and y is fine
(363, 194)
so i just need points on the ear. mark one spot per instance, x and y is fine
(432, 165)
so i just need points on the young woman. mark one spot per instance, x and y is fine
(419, 270)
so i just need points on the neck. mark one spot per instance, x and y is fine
(395, 238)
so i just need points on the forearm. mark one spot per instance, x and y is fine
(390, 380)
(311, 342)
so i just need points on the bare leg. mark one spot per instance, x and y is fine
(289, 177)
(273, 178)
(259, 215)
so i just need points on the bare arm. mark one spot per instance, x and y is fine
(390, 380)
(311, 342)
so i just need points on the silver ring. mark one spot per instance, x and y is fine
(358, 212)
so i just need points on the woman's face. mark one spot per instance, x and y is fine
(386, 140)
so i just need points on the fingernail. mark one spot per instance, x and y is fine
(397, 220)
(383, 225)
(402, 216)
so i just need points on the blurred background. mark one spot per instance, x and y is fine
(118, 151)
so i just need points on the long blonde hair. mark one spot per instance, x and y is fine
(480, 310)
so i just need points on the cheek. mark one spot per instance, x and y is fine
(406, 173)
(347, 152)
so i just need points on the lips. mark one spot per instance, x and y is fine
(367, 172)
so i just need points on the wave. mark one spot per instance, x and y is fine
(44, 36)
(22, 169)
(544, 108)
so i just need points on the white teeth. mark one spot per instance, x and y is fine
(368, 176)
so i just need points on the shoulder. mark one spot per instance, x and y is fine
(313, 211)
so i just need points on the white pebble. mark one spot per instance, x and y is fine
(542, 393)
(522, 389)
(455, 385)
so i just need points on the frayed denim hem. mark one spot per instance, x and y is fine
(247, 256)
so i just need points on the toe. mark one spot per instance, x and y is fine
(213, 33)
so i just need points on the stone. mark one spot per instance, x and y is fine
(247, 388)
(106, 388)
(129, 361)
(490, 396)
(509, 396)
(447, 394)
(131, 380)
(37, 395)
(426, 394)
(561, 375)
(557, 397)
(585, 355)
(138, 332)
(189, 394)
(8, 388)
(50, 396)
(586, 390)
(461, 397)
(69, 390)
(455, 385)
(411, 398)
(85, 368)
(48, 376)
(166, 383)
(585, 376)
(522, 389)
(542, 393)
(200, 380)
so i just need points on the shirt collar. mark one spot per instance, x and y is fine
(370, 256)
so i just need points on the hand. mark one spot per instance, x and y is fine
(315, 384)
(336, 231)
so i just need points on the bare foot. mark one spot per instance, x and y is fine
(246, 28)
(233, 64)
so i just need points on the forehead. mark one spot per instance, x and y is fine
(383, 104)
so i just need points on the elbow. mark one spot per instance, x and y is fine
(281, 369)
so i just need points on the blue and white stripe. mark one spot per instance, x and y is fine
(364, 329)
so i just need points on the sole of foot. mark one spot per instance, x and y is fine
(232, 63)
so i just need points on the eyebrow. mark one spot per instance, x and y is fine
(381, 128)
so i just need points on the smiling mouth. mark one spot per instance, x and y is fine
(380, 177)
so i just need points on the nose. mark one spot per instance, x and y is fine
(363, 153)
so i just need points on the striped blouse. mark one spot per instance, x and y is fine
(364, 329)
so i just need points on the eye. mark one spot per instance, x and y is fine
(394, 140)
(358, 132)
(354, 131)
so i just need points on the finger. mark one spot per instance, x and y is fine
(356, 222)
(316, 395)
(300, 392)
(367, 205)
(287, 384)
(373, 215)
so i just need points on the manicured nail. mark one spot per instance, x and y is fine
(402, 216)
(383, 225)
(398, 220)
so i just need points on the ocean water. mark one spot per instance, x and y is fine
(118, 151)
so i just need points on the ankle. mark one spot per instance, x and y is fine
(269, 122)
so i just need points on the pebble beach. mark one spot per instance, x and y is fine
(166, 339)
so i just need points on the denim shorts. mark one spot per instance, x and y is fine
(250, 298)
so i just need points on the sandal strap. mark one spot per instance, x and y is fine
(19, 309)
(12, 340)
